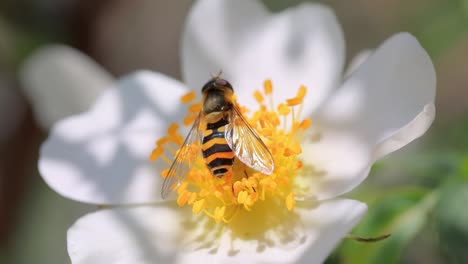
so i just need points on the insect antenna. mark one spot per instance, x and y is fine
(217, 76)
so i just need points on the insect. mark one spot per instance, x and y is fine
(224, 134)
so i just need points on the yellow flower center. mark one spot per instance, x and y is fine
(245, 190)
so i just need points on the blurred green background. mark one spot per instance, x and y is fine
(419, 194)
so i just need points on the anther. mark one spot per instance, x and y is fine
(267, 86)
(156, 153)
(172, 130)
(198, 206)
(301, 92)
(283, 109)
(188, 97)
(294, 101)
(259, 96)
(290, 202)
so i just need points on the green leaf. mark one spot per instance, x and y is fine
(402, 214)
(451, 221)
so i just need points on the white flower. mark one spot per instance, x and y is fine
(60, 81)
(101, 156)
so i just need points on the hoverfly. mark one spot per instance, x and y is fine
(224, 134)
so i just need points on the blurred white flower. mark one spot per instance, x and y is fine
(60, 81)
(101, 156)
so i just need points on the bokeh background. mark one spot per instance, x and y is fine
(419, 194)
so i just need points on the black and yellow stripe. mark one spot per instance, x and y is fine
(217, 154)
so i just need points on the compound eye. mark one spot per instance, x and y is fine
(208, 85)
(222, 83)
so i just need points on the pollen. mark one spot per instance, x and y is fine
(243, 191)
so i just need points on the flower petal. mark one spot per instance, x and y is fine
(150, 234)
(101, 156)
(414, 129)
(301, 45)
(386, 103)
(334, 162)
(321, 228)
(126, 236)
(60, 81)
(330, 222)
(357, 61)
(213, 35)
(386, 93)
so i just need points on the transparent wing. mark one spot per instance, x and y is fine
(183, 161)
(247, 145)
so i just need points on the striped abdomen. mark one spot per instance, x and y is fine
(217, 154)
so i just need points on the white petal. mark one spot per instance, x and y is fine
(155, 234)
(334, 162)
(101, 156)
(386, 93)
(387, 103)
(330, 222)
(214, 33)
(60, 81)
(339, 161)
(301, 45)
(357, 61)
(416, 128)
(125, 236)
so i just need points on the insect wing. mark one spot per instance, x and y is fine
(247, 145)
(183, 160)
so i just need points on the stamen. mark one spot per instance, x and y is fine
(195, 108)
(162, 141)
(237, 187)
(305, 124)
(283, 109)
(290, 202)
(301, 93)
(188, 97)
(198, 206)
(294, 101)
(183, 198)
(267, 87)
(157, 152)
(189, 119)
(292, 151)
(242, 197)
(259, 97)
(219, 213)
(172, 130)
